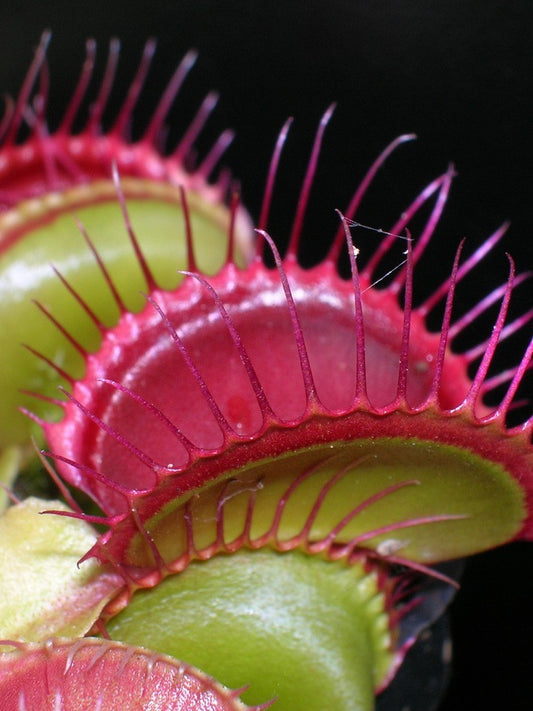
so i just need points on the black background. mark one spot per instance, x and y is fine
(459, 73)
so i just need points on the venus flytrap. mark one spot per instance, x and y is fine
(53, 180)
(278, 455)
